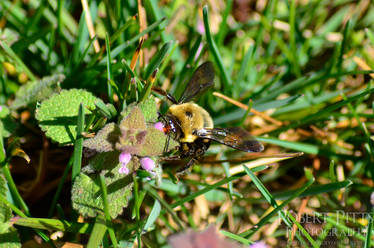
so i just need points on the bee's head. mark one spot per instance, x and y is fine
(172, 126)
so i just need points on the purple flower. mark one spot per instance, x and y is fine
(259, 244)
(123, 170)
(1, 108)
(160, 126)
(124, 158)
(147, 164)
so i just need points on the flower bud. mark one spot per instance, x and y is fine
(147, 164)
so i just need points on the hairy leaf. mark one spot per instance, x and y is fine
(105, 139)
(37, 91)
(58, 115)
(86, 192)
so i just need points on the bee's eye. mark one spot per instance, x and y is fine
(188, 114)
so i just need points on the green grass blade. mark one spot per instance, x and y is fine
(326, 111)
(137, 204)
(236, 237)
(116, 51)
(206, 189)
(340, 226)
(18, 61)
(156, 60)
(78, 145)
(53, 224)
(369, 230)
(20, 203)
(292, 21)
(109, 68)
(343, 47)
(222, 31)
(297, 146)
(168, 207)
(302, 229)
(108, 219)
(13, 207)
(332, 171)
(177, 87)
(131, 21)
(270, 199)
(98, 231)
(59, 187)
(153, 215)
(215, 52)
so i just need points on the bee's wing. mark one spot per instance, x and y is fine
(201, 80)
(235, 137)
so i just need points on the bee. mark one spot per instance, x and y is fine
(192, 126)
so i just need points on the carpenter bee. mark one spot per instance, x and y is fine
(192, 126)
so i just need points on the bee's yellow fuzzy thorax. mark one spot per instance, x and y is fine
(191, 117)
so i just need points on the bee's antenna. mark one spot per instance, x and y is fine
(164, 93)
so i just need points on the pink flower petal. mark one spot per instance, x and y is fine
(123, 170)
(159, 125)
(147, 164)
(124, 158)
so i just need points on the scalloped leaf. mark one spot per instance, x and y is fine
(148, 107)
(133, 132)
(134, 120)
(105, 139)
(37, 90)
(58, 115)
(86, 192)
(155, 142)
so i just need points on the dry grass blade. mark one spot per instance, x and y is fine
(90, 26)
(245, 107)
(261, 161)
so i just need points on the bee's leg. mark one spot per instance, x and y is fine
(160, 116)
(183, 170)
(170, 158)
(166, 147)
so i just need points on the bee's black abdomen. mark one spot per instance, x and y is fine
(195, 149)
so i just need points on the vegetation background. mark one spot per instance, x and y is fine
(296, 74)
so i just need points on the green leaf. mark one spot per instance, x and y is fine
(8, 234)
(58, 115)
(7, 125)
(154, 143)
(105, 139)
(86, 192)
(35, 91)
(148, 107)
(134, 120)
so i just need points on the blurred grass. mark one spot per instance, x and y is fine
(295, 60)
